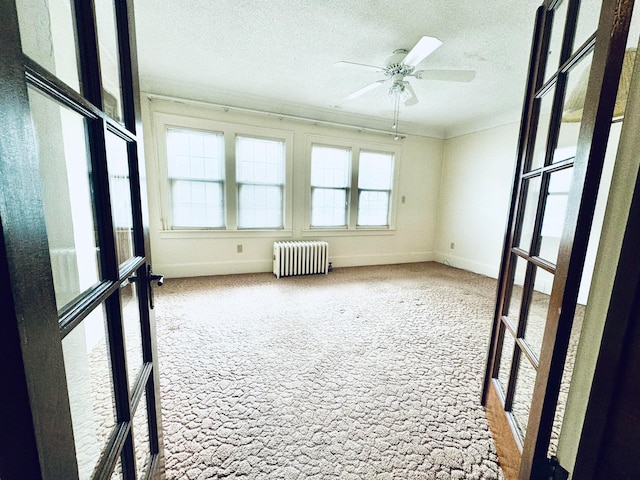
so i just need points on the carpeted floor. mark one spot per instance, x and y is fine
(365, 373)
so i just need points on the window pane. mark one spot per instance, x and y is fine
(330, 166)
(329, 207)
(260, 161)
(260, 166)
(194, 155)
(373, 208)
(259, 206)
(120, 189)
(196, 163)
(90, 385)
(109, 58)
(197, 204)
(47, 32)
(375, 171)
(69, 209)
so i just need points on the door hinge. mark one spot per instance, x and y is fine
(556, 471)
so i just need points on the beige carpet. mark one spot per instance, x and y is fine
(365, 373)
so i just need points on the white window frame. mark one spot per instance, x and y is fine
(281, 186)
(163, 121)
(346, 189)
(173, 179)
(352, 210)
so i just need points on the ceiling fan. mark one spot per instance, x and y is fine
(403, 64)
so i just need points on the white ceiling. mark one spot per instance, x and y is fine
(279, 55)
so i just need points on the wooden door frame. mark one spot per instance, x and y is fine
(594, 131)
(35, 408)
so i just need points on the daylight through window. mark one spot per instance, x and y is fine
(330, 172)
(195, 165)
(260, 167)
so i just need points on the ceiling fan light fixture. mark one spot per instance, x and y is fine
(401, 65)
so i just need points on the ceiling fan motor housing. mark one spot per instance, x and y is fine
(395, 65)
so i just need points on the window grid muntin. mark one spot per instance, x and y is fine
(270, 149)
(329, 178)
(195, 167)
(368, 163)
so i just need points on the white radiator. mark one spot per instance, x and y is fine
(300, 258)
(64, 264)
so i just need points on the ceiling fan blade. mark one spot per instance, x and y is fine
(358, 65)
(413, 99)
(368, 88)
(445, 75)
(425, 47)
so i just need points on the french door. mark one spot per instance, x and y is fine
(78, 367)
(575, 67)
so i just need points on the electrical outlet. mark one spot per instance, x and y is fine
(239, 248)
(403, 198)
(452, 246)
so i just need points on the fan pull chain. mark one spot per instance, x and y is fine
(396, 115)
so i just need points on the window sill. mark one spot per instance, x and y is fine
(328, 232)
(200, 234)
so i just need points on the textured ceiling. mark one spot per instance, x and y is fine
(279, 55)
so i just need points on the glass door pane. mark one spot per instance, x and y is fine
(52, 44)
(65, 171)
(91, 390)
(132, 330)
(120, 189)
(531, 187)
(537, 314)
(515, 301)
(572, 109)
(554, 214)
(141, 437)
(557, 35)
(541, 133)
(508, 348)
(587, 22)
(109, 58)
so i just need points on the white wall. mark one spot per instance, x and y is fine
(477, 173)
(474, 198)
(180, 254)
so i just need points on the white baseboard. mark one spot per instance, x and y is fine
(466, 264)
(180, 270)
(380, 259)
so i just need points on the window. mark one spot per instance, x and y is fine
(330, 172)
(220, 178)
(351, 187)
(195, 166)
(375, 180)
(260, 179)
